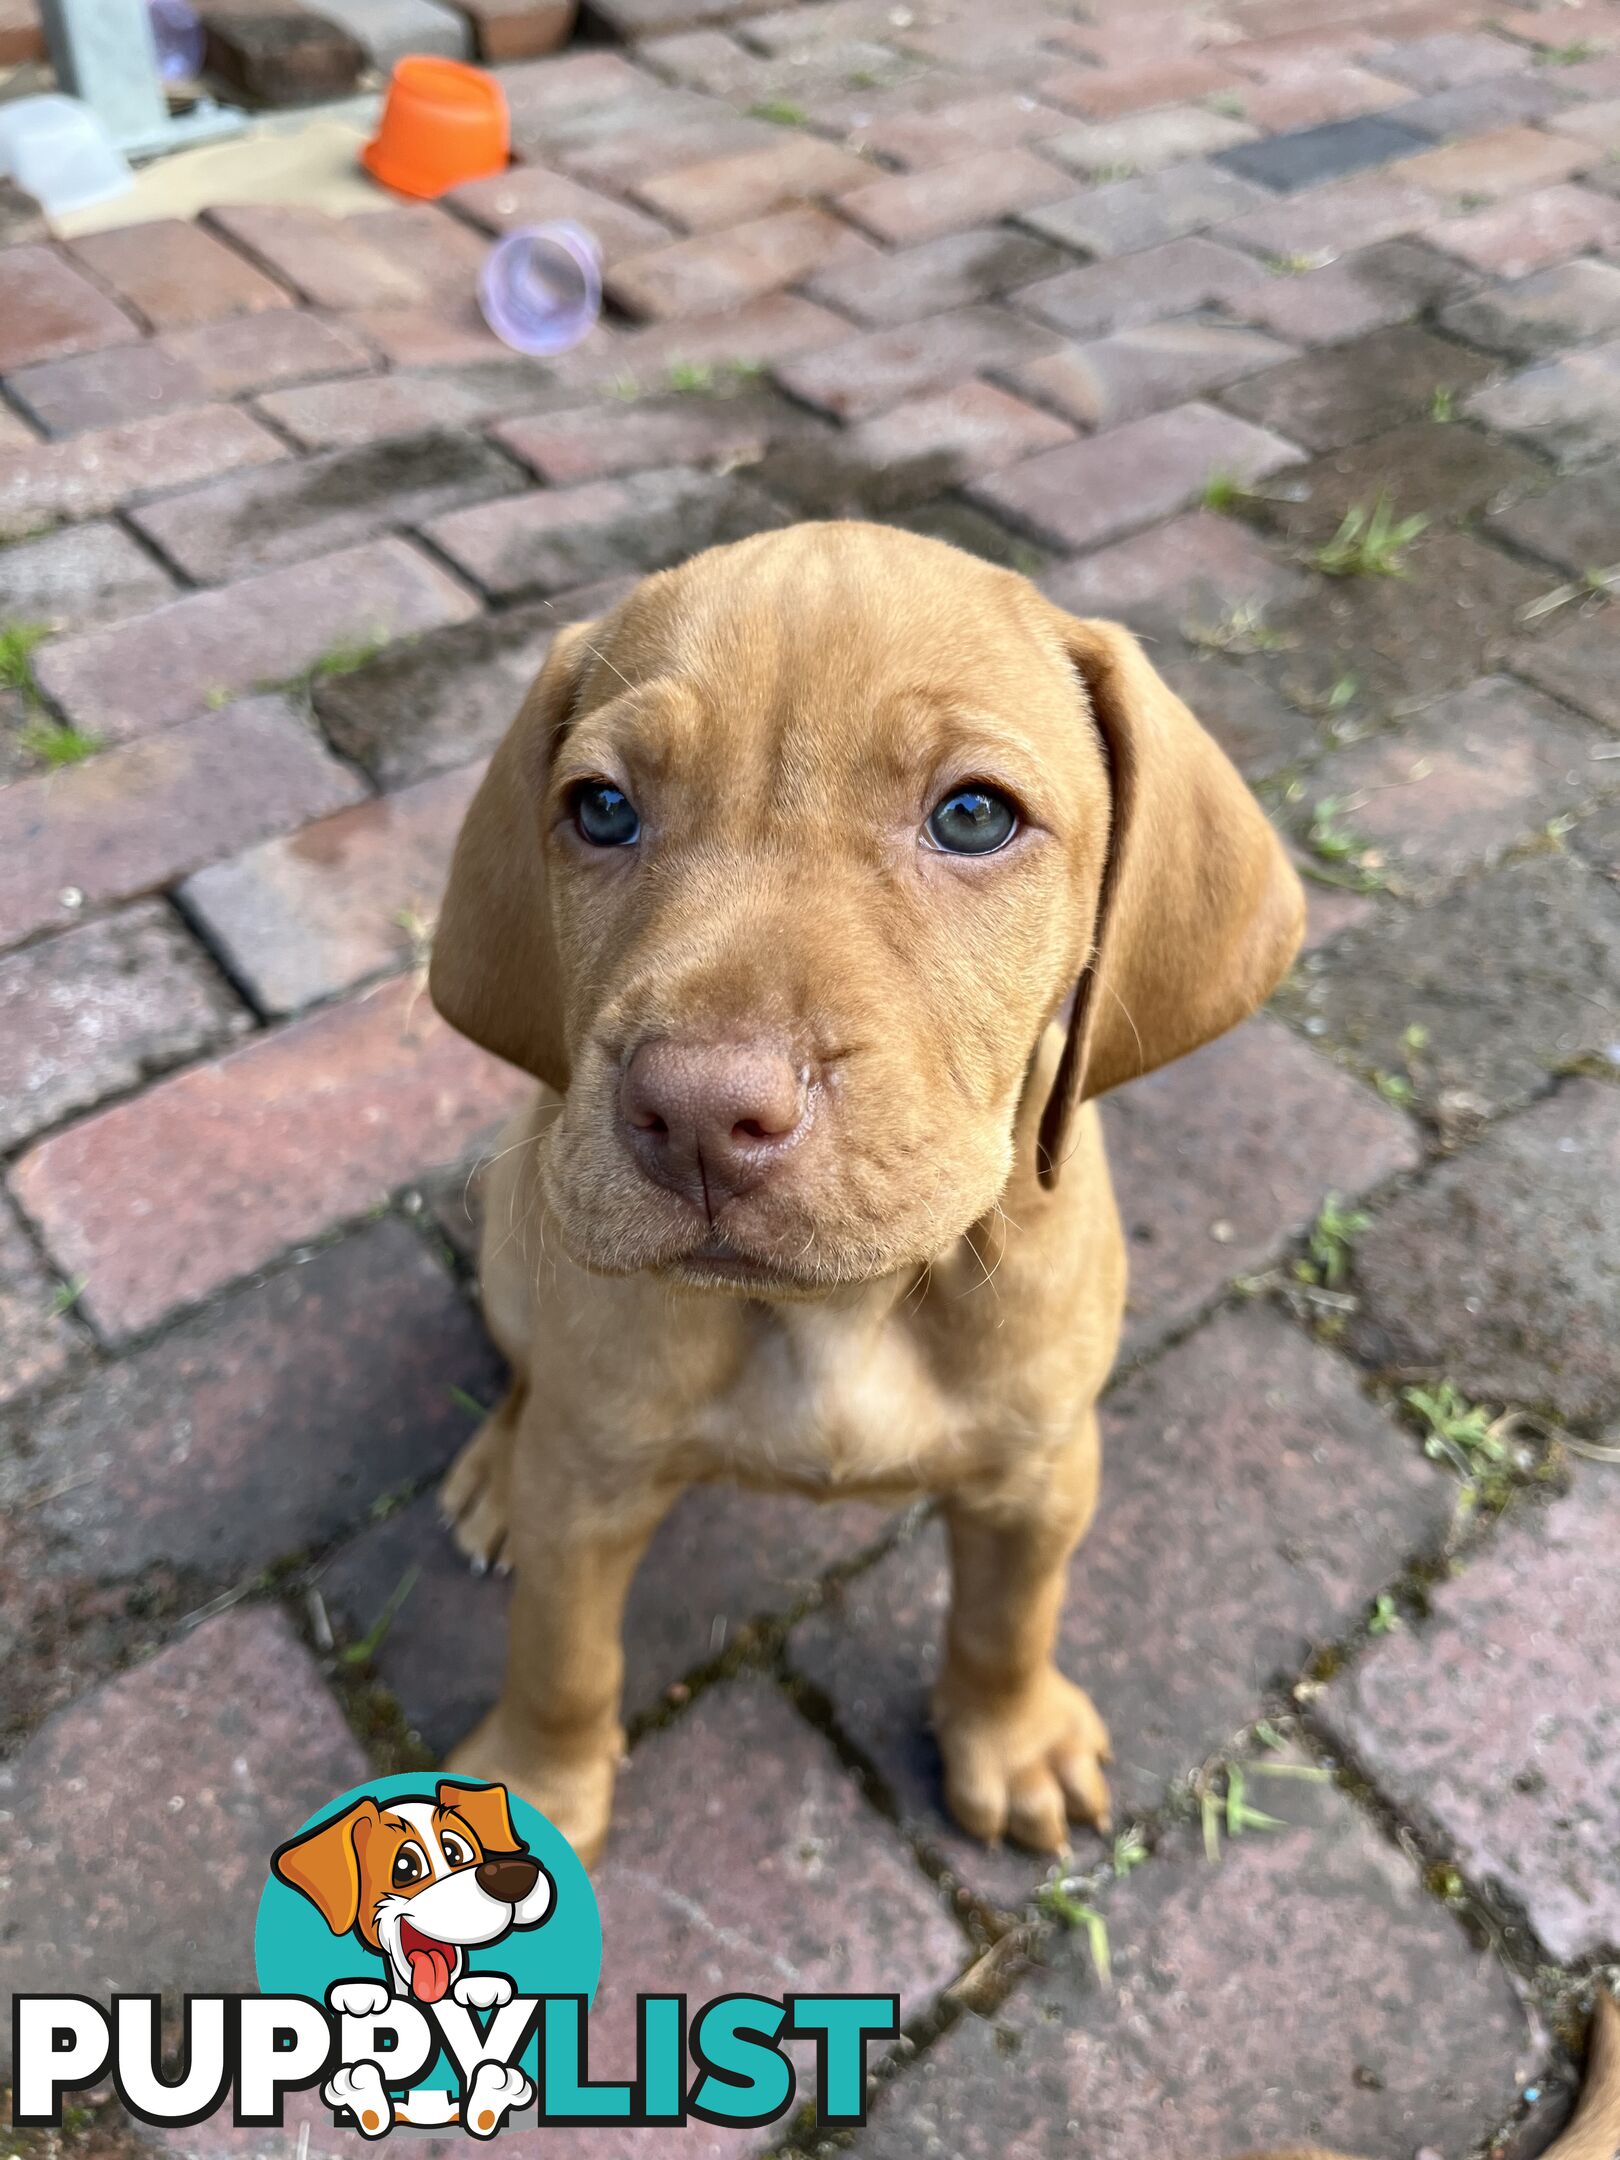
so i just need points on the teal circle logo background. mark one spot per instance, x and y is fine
(296, 1953)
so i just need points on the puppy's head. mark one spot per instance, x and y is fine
(784, 872)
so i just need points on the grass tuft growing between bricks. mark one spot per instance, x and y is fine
(780, 112)
(1370, 543)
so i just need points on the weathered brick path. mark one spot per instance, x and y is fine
(1148, 301)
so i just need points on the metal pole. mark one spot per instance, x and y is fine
(103, 52)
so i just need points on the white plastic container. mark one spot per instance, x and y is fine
(56, 150)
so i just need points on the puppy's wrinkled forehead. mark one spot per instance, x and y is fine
(810, 651)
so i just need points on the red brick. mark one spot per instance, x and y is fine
(1130, 215)
(1142, 370)
(1187, 1596)
(346, 414)
(618, 156)
(174, 274)
(729, 190)
(1569, 408)
(1194, 566)
(530, 195)
(1464, 780)
(999, 119)
(81, 575)
(1500, 164)
(382, 258)
(711, 272)
(1105, 93)
(774, 328)
(1314, 92)
(957, 270)
(1452, 58)
(1169, 280)
(94, 472)
(114, 1885)
(130, 820)
(168, 1198)
(444, 699)
(51, 310)
(723, 1560)
(866, 374)
(1546, 226)
(1369, 290)
(447, 332)
(1575, 524)
(277, 52)
(315, 912)
(259, 352)
(177, 660)
(562, 537)
(519, 29)
(784, 1870)
(1596, 124)
(1579, 663)
(907, 207)
(952, 435)
(567, 447)
(92, 1012)
(267, 1425)
(1345, 393)
(1219, 1160)
(311, 506)
(1146, 141)
(102, 389)
(1093, 491)
(22, 34)
(37, 1342)
(1496, 1724)
(1307, 1987)
(1331, 220)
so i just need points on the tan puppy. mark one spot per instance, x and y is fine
(822, 884)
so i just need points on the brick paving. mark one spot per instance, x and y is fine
(1154, 306)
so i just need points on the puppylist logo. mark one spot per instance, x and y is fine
(427, 1953)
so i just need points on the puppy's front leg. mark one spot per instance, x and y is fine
(1023, 1747)
(575, 1537)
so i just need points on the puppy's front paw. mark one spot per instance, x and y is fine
(1026, 1766)
(361, 2091)
(473, 1497)
(494, 2092)
(357, 1998)
(482, 1991)
(575, 1793)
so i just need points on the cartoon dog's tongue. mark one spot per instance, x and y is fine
(431, 1963)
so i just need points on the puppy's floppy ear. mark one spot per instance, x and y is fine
(486, 1812)
(496, 973)
(1200, 912)
(324, 1863)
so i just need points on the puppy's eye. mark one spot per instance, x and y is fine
(409, 1866)
(605, 815)
(457, 1853)
(972, 820)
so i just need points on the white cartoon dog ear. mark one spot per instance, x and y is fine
(324, 1864)
(487, 1813)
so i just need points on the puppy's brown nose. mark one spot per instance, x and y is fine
(710, 1120)
(508, 1876)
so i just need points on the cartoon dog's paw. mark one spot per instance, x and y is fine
(494, 2092)
(483, 1991)
(357, 1998)
(361, 2091)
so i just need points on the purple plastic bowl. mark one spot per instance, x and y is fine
(541, 288)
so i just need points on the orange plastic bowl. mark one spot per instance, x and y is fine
(443, 122)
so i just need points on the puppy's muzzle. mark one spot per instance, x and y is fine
(507, 1877)
(710, 1121)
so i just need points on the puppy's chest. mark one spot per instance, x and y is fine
(829, 1408)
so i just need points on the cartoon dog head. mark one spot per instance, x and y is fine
(421, 1881)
